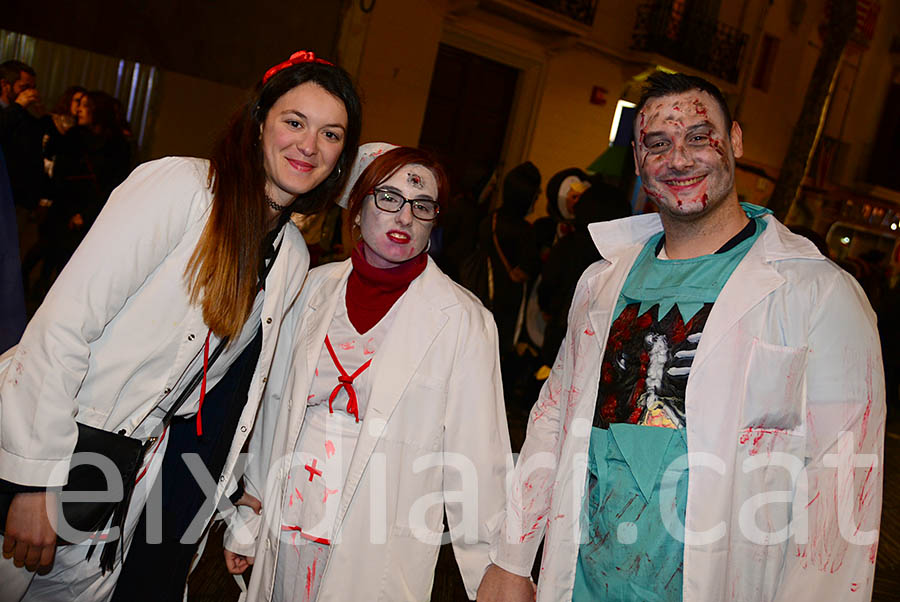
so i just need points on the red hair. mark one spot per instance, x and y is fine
(384, 166)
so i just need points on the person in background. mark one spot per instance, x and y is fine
(185, 256)
(713, 425)
(570, 256)
(89, 161)
(60, 120)
(510, 241)
(395, 399)
(20, 134)
(12, 296)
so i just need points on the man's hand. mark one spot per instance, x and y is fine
(251, 502)
(27, 97)
(30, 538)
(499, 585)
(237, 563)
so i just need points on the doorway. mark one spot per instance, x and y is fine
(467, 115)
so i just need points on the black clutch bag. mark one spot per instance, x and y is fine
(101, 461)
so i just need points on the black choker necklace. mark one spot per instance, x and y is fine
(275, 205)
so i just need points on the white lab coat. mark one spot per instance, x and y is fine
(789, 359)
(436, 394)
(117, 335)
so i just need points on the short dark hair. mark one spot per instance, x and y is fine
(11, 71)
(661, 84)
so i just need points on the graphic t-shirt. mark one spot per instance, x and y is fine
(634, 506)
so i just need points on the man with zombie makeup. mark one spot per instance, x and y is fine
(713, 425)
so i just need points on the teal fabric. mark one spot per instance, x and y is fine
(632, 516)
(687, 283)
(633, 511)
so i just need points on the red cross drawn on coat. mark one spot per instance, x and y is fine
(313, 471)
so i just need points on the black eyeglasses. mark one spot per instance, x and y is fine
(392, 202)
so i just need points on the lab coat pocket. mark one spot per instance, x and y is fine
(418, 418)
(773, 393)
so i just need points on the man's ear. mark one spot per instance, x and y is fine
(637, 170)
(737, 140)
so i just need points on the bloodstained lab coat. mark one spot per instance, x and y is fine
(117, 335)
(786, 392)
(436, 396)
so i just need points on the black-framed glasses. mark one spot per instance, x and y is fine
(392, 202)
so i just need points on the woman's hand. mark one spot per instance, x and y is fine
(30, 538)
(251, 502)
(237, 563)
(499, 585)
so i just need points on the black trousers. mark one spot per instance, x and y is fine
(159, 571)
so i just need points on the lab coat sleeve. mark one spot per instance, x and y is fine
(260, 474)
(476, 447)
(243, 525)
(845, 452)
(531, 488)
(145, 217)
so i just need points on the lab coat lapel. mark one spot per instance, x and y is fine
(416, 325)
(322, 305)
(753, 280)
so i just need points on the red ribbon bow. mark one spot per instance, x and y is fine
(301, 56)
(345, 381)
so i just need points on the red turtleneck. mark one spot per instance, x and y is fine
(372, 291)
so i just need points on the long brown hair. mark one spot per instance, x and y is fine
(222, 272)
(384, 166)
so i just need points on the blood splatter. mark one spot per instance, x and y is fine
(310, 577)
(650, 194)
(699, 107)
(589, 332)
(327, 493)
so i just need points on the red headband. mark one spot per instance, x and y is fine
(301, 56)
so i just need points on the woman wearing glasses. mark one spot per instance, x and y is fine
(393, 414)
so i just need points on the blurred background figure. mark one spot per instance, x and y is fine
(90, 160)
(20, 134)
(57, 122)
(571, 255)
(510, 243)
(12, 299)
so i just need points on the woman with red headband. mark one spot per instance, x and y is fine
(185, 277)
(393, 415)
